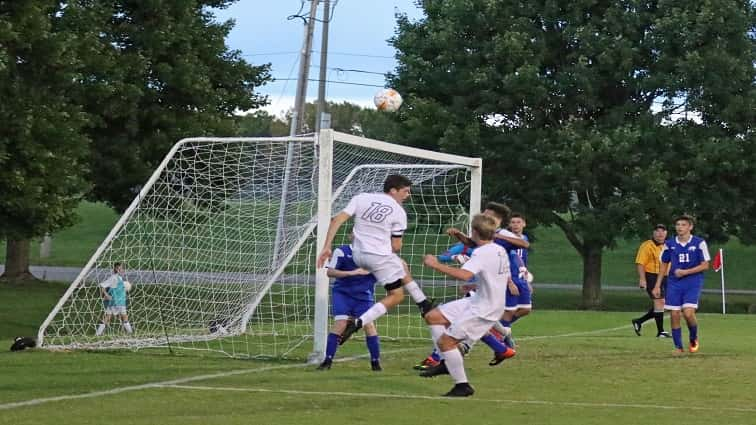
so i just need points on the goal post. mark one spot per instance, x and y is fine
(221, 242)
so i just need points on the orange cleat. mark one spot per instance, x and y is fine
(693, 346)
(500, 357)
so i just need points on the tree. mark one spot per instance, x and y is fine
(162, 72)
(261, 124)
(42, 146)
(605, 117)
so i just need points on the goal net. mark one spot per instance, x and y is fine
(220, 244)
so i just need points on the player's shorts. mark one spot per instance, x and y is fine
(345, 306)
(385, 268)
(115, 309)
(651, 281)
(682, 295)
(464, 323)
(524, 300)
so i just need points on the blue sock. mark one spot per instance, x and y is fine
(435, 355)
(332, 345)
(494, 343)
(374, 347)
(506, 323)
(677, 337)
(693, 332)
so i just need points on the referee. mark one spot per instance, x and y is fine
(647, 263)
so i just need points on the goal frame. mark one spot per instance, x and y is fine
(324, 148)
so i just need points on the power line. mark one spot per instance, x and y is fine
(330, 81)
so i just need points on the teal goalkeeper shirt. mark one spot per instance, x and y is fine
(116, 289)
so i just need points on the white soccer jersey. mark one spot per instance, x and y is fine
(490, 263)
(377, 217)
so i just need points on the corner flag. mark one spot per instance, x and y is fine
(717, 263)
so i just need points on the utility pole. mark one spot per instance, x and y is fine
(297, 120)
(323, 65)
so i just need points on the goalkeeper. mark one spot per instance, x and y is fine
(353, 294)
(113, 291)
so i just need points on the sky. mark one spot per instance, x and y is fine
(358, 36)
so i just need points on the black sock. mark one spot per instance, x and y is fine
(649, 314)
(659, 317)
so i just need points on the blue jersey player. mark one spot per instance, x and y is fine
(684, 258)
(519, 293)
(352, 295)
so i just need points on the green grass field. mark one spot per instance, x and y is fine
(553, 260)
(572, 368)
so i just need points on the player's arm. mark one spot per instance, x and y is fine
(514, 240)
(461, 274)
(333, 228)
(641, 275)
(104, 293)
(396, 243)
(456, 233)
(697, 269)
(663, 270)
(338, 274)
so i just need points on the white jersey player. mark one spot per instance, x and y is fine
(471, 317)
(379, 224)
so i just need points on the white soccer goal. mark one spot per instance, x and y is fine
(220, 244)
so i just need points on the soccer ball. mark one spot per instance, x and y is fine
(127, 285)
(388, 100)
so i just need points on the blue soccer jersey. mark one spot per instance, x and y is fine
(522, 253)
(524, 299)
(685, 256)
(357, 287)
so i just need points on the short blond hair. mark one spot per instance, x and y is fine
(484, 225)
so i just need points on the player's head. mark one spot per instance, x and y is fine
(118, 267)
(660, 233)
(499, 212)
(398, 187)
(517, 223)
(483, 227)
(684, 224)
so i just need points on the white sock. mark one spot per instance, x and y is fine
(127, 326)
(455, 365)
(500, 328)
(374, 312)
(415, 292)
(100, 329)
(436, 332)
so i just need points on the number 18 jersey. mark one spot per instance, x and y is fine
(377, 217)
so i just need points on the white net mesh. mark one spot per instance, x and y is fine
(216, 266)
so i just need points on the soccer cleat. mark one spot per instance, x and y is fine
(663, 334)
(326, 365)
(375, 365)
(426, 306)
(500, 357)
(439, 369)
(636, 327)
(461, 390)
(351, 327)
(426, 363)
(693, 346)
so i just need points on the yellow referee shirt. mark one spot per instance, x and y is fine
(649, 256)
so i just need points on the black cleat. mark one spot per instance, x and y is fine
(663, 334)
(500, 357)
(439, 369)
(375, 365)
(636, 326)
(326, 365)
(351, 328)
(461, 390)
(426, 306)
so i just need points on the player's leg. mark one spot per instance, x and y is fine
(689, 307)
(104, 323)
(418, 296)
(373, 346)
(651, 313)
(673, 303)
(340, 307)
(125, 321)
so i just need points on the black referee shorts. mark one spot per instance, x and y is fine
(651, 281)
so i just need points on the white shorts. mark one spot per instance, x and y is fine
(386, 268)
(116, 309)
(464, 323)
